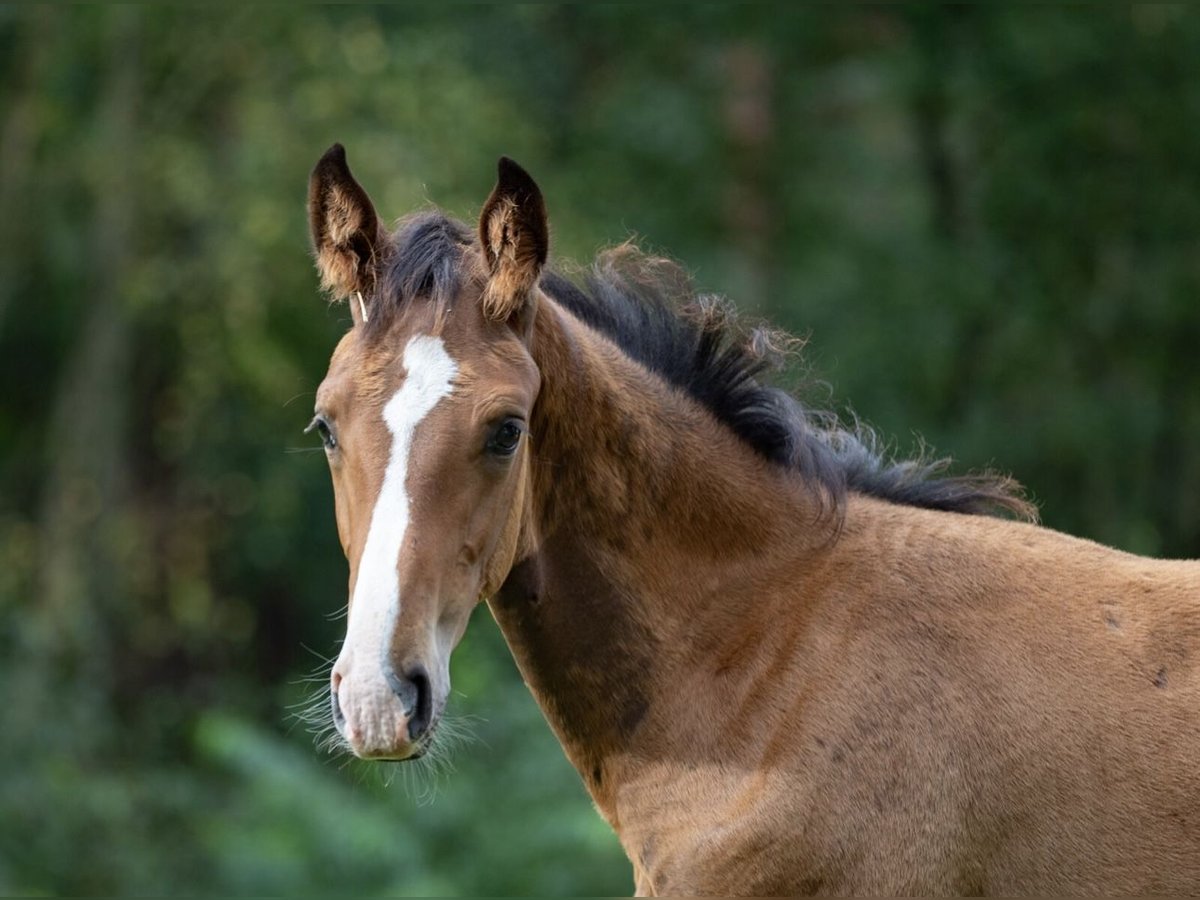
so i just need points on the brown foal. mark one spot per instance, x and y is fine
(780, 663)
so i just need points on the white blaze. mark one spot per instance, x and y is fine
(376, 602)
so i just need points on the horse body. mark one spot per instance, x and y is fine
(929, 704)
(779, 664)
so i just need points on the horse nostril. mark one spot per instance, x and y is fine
(415, 696)
(339, 718)
(419, 719)
(402, 688)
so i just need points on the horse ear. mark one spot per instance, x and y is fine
(516, 241)
(346, 233)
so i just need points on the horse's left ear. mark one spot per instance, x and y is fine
(516, 241)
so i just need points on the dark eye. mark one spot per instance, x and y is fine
(505, 438)
(322, 428)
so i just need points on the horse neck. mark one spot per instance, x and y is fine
(617, 448)
(649, 520)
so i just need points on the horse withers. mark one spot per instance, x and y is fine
(780, 662)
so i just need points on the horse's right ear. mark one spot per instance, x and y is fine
(346, 234)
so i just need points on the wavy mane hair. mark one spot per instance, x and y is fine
(649, 308)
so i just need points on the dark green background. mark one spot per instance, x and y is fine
(986, 220)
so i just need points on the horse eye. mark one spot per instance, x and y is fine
(506, 437)
(323, 429)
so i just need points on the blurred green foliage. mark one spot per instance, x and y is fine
(987, 219)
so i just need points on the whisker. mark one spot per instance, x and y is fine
(297, 397)
(317, 676)
(314, 678)
(424, 778)
(326, 660)
(315, 712)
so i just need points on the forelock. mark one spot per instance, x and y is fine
(430, 259)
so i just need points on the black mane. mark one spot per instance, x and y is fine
(647, 306)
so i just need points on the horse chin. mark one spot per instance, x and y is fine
(408, 752)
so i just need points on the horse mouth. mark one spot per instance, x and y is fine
(417, 753)
(389, 756)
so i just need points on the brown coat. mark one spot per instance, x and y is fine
(931, 703)
(781, 664)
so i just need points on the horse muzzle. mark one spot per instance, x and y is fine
(390, 714)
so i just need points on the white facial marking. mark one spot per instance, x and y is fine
(376, 602)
